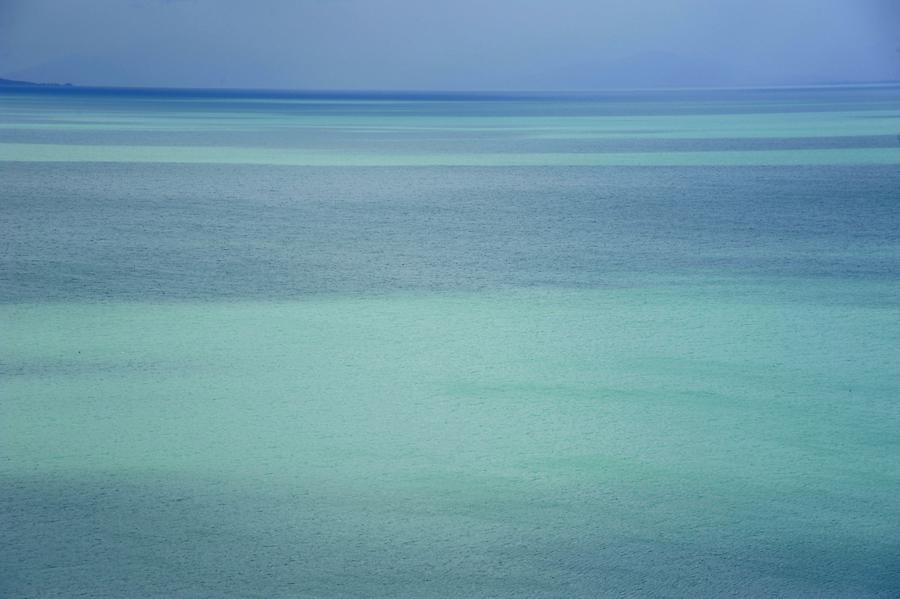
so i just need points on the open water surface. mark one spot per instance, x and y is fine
(316, 345)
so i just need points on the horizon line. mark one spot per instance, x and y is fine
(686, 88)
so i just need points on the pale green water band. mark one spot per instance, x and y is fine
(734, 126)
(13, 152)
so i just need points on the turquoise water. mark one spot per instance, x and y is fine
(270, 345)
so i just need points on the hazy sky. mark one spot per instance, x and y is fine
(458, 44)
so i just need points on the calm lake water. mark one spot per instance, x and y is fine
(285, 345)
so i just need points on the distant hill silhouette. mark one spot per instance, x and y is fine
(13, 82)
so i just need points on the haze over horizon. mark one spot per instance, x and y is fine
(408, 45)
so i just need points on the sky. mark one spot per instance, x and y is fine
(449, 45)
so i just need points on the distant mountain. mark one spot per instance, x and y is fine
(14, 83)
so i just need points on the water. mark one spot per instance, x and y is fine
(276, 345)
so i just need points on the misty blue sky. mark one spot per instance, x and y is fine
(459, 44)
